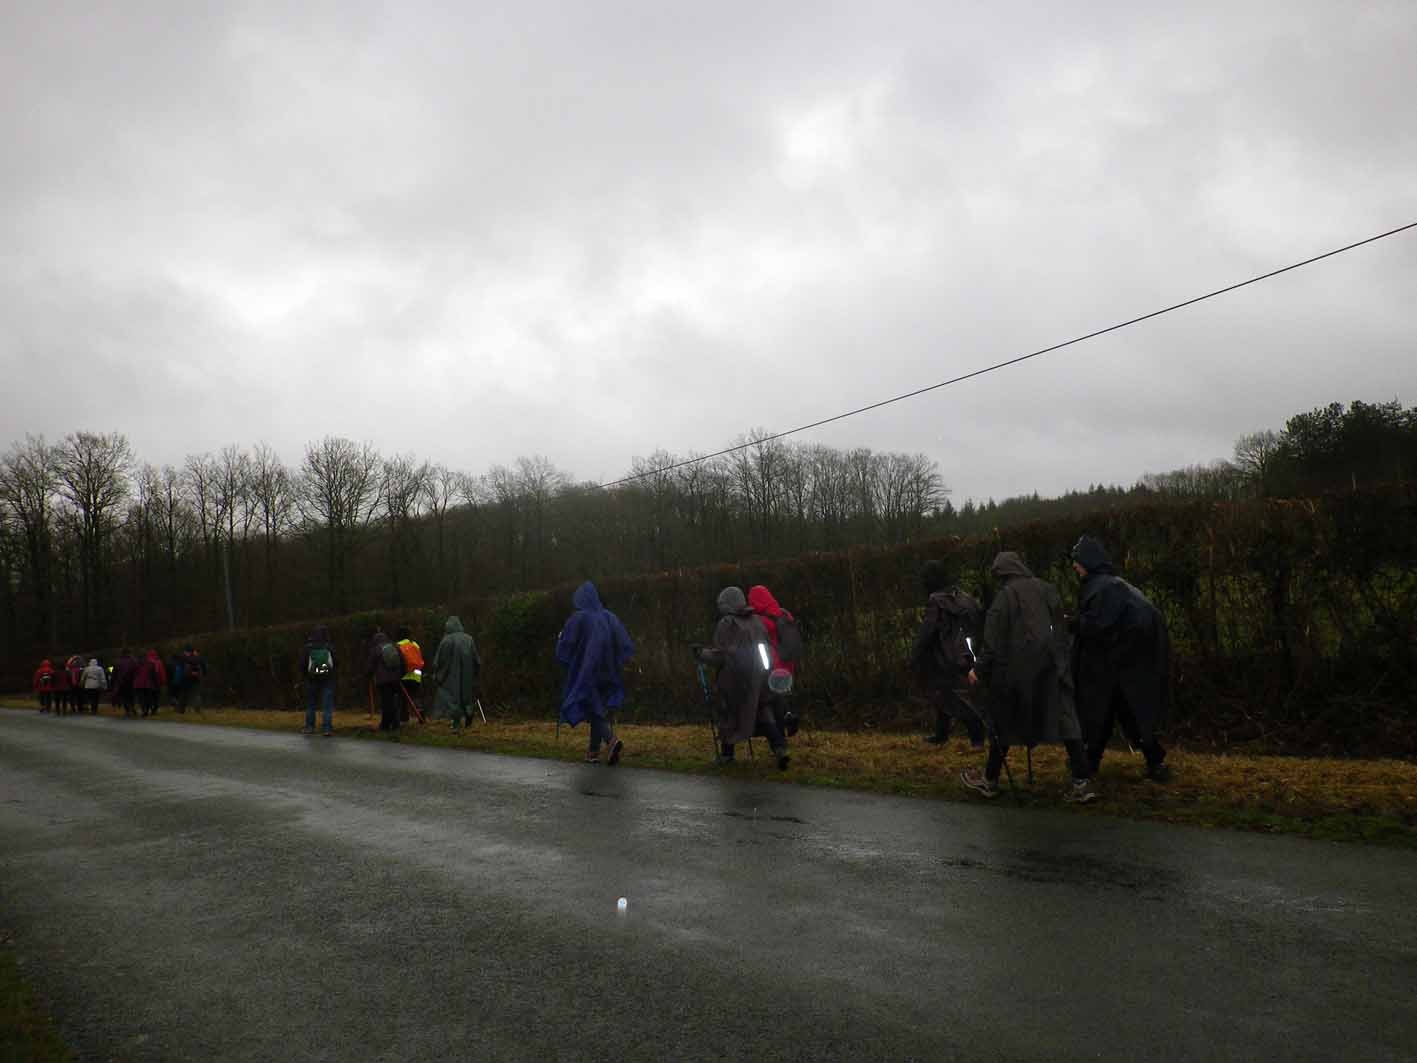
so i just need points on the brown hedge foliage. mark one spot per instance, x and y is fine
(1292, 622)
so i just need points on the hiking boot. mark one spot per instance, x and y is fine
(975, 780)
(592, 758)
(328, 732)
(783, 760)
(1080, 792)
(307, 730)
(616, 748)
(1158, 772)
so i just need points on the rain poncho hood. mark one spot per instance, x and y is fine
(593, 648)
(762, 602)
(1092, 555)
(453, 626)
(731, 602)
(1008, 565)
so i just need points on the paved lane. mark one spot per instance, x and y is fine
(186, 893)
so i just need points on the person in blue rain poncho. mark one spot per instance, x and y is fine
(594, 648)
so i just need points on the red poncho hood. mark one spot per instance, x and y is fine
(761, 601)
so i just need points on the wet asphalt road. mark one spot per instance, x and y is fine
(198, 893)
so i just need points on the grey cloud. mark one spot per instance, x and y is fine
(596, 230)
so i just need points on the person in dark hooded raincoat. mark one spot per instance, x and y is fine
(774, 618)
(457, 674)
(1022, 661)
(741, 654)
(948, 610)
(1121, 661)
(594, 648)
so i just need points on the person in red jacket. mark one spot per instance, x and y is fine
(44, 684)
(149, 678)
(63, 689)
(781, 627)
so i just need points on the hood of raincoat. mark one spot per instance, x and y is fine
(453, 626)
(762, 601)
(319, 635)
(586, 597)
(937, 576)
(93, 662)
(731, 602)
(1009, 565)
(1092, 555)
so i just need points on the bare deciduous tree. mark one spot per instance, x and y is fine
(338, 496)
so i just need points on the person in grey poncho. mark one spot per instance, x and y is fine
(1022, 660)
(457, 670)
(740, 652)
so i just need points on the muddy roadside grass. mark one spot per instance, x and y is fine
(27, 1033)
(1372, 801)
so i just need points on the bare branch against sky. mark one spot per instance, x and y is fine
(474, 233)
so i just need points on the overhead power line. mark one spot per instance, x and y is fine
(1011, 361)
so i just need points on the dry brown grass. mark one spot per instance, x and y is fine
(1350, 800)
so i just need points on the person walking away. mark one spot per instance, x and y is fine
(412, 680)
(784, 654)
(44, 684)
(457, 675)
(383, 665)
(1121, 661)
(188, 677)
(1022, 662)
(594, 648)
(317, 665)
(124, 672)
(75, 667)
(942, 656)
(63, 689)
(94, 682)
(739, 652)
(148, 681)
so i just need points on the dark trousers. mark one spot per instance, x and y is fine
(1120, 715)
(767, 728)
(91, 698)
(950, 707)
(600, 731)
(45, 697)
(125, 699)
(390, 695)
(148, 700)
(1077, 760)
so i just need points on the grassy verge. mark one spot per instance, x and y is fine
(26, 1033)
(1340, 800)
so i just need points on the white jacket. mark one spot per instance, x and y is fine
(95, 678)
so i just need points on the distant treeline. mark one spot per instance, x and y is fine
(99, 549)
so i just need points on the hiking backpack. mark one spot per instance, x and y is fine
(391, 658)
(959, 616)
(322, 662)
(789, 639)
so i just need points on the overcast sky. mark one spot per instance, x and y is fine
(591, 230)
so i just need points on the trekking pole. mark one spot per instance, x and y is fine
(988, 721)
(371, 699)
(478, 702)
(1029, 751)
(417, 712)
(704, 686)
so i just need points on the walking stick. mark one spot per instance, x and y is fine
(1029, 751)
(484, 715)
(708, 701)
(371, 699)
(417, 712)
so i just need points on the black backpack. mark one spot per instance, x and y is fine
(957, 624)
(789, 639)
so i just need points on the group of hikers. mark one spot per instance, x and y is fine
(1022, 673)
(133, 682)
